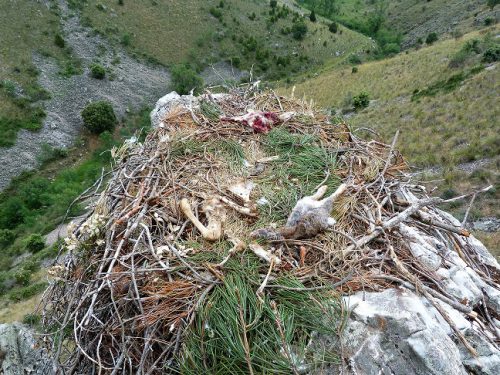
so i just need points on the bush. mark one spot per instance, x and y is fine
(491, 54)
(492, 3)
(34, 243)
(99, 117)
(12, 213)
(312, 16)
(299, 30)
(22, 277)
(361, 101)
(273, 3)
(59, 40)
(34, 193)
(217, 13)
(354, 69)
(97, 71)
(185, 79)
(27, 292)
(355, 59)
(126, 39)
(6, 238)
(334, 27)
(431, 38)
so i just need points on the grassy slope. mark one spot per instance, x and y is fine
(442, 130)
(25, 27)
(180, 30)
(417, 18)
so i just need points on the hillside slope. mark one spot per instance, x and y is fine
(248, 34)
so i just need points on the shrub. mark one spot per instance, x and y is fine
(354, 59)
(217, 13)
(99, 117)
(6, 238)
(312, 16)
(491, 54)
(299, 30)
(354, 69)
(9, 87)
(361, 101)
(34, 243)
(492, 3)
(59, 40)
(333, 27)
(12, 213)
(97, 71)
(431, 38)
(273, 3)
(27, 292)
(126, 39)
(120, 2)
(22, 277)
(185, 79)
(34, 193)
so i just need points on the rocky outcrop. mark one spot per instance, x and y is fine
(19, 354)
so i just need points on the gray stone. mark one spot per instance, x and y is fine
(19, 354)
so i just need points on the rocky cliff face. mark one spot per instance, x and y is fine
(19, 354)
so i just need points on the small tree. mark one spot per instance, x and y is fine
(59, 41)
(35, 243)
(333, 27)
(312, 16)
(185, 79)
(99, 117)
(7, 237)
(361, 101)
(97, 71)
(431, 38)
(299, 30)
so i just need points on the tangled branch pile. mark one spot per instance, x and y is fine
(203, 256)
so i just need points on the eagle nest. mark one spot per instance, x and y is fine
(224, 242)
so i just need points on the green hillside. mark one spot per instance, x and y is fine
(248, 34)
(412, 20)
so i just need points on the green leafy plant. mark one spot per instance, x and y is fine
(59, 41)
(431, 38)
(491, 54)
(185, 79)
(34, 243)
(97, 71)
(299, 30)
(312, 16)
(333, 27)
(6, 237)
(99, 117)
(361, 101)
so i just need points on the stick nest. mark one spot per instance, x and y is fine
(140, 290)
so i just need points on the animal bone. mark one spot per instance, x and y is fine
(264, 254)
(216, 216)
(310, 216)
(238, 245)
(242, 190)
